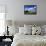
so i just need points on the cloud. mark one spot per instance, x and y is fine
(33, 9)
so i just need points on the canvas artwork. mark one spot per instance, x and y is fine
(30, 9)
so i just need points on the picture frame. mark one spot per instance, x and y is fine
(30, 9)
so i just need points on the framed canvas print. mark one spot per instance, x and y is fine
(30, 9)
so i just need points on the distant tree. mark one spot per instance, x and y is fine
(25, 12)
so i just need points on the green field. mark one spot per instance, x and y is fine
(29, 12)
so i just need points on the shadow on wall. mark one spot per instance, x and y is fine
(21, 23)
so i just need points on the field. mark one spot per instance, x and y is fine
(29, 12)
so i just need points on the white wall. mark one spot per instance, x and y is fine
(15, 9)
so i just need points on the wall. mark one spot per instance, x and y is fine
(15, 9)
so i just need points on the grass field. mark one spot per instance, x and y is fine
(29, 12)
